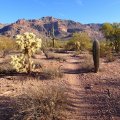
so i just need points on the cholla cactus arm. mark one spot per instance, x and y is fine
(29, 44)
(18, 61)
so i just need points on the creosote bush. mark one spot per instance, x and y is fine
(29, 44)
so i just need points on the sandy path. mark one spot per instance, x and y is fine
(75, 90)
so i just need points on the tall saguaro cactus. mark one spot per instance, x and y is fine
(53, 35)
(96, 55)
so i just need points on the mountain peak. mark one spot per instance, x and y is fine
(63, 28)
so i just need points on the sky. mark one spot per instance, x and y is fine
(83, 11)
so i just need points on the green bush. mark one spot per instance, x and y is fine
(105, 48)
(49, 44)
(6, 45)
(79, 41)
(112, 33)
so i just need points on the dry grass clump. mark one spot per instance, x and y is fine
(52, 73)
(47, 102)
(87, 65)
(110, 57)
(6, 68)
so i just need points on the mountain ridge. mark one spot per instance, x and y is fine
(41, 27)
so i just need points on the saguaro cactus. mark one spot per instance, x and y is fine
(96, 55)
(53, 35)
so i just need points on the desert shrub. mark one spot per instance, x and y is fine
(52, 55)
(110, 57)
(70, 45)
(106, 51)
(6, 68)
(57, 44)
(29, 44)
(79, 41)
(105, 48)
(112, 33)
(52, 73)
(7, 45)
(87, 65)
(41, 103)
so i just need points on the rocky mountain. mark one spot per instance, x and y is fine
(2, 25)
(42, 27)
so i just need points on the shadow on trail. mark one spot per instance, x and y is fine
(7, 109)
(77, 71)
(24, 76)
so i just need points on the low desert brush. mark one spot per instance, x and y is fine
(52, 73)
(42, 103)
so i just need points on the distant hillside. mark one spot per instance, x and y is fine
(41, 27)
(2, 25)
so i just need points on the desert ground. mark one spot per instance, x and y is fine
(90, 96)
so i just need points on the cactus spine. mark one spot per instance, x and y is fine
(96, 55)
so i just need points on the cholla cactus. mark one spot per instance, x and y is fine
(29, 44)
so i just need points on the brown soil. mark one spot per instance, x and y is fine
(91, 95)
(88, 91)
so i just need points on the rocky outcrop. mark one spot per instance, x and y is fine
(42, 27)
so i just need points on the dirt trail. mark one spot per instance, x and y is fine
(87, 92)
(75, 90)
(88, 96)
